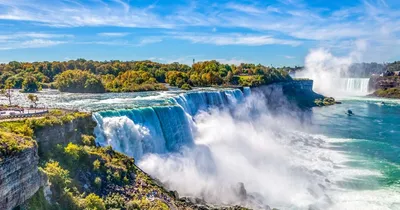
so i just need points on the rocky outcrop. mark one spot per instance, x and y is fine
(48, 137)
(19, 178)
(384, 82)
(385, 86)
(294, 94)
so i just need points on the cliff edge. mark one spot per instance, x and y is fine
(293, 94)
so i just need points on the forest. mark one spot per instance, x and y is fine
(87, 76)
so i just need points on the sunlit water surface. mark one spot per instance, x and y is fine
(357, 157)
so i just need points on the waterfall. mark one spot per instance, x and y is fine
(193, 102)
(133, 132)
(246, 91)
(159, 129)
(355, 85)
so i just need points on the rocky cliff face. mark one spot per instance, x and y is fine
(49, 137)
(19, 178)
(378, 82)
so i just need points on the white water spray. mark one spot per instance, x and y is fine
(329, 72)
(240, 156)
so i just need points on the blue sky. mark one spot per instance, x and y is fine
(277, 32)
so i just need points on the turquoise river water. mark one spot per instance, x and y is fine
(205, 142)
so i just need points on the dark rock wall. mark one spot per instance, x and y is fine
(19, 178)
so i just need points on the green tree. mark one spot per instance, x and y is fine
(34, 99)
(30, 85)
(58, 176)
(78, 81)
(229, 77)
(7, 90)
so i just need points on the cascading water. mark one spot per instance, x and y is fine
(357, 86)
(246, 91)
(206, 137)
(133, 132)
(159, 129)
(205, 145)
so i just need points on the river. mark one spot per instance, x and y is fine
(210, 143)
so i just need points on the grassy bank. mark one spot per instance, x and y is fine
(388, 93)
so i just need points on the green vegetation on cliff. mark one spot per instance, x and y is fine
(388, 93)
(84, 176)
(12, 144)
(16, 136)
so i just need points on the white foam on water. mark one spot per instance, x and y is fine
(383, 199)
(278, 164)
(160, 95)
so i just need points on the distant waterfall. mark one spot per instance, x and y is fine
(159, 129)
(357, 86)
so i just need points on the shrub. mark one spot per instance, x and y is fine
(56, 112)
(97, 182)
(133, 205)
(88, 140)
(115, 201)
(93, 202)
(58, 176)
(73, 150)
(125, 180)
(96, 165)
(186, 87)
(117, 176)
(11, 144)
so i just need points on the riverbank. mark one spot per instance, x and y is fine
(385, 86)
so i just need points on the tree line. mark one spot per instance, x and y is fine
(89, 76)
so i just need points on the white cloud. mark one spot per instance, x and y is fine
(34, 43)
(236, 39)
(286, 22)
(98, 13)
(113, 34)
(289, 57)
(34, 35)
(107, 42)
(149, 40)
(22, 40)
(244, 8)
(273, 9)
(44, 35)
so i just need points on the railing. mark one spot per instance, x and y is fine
(24, 115)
